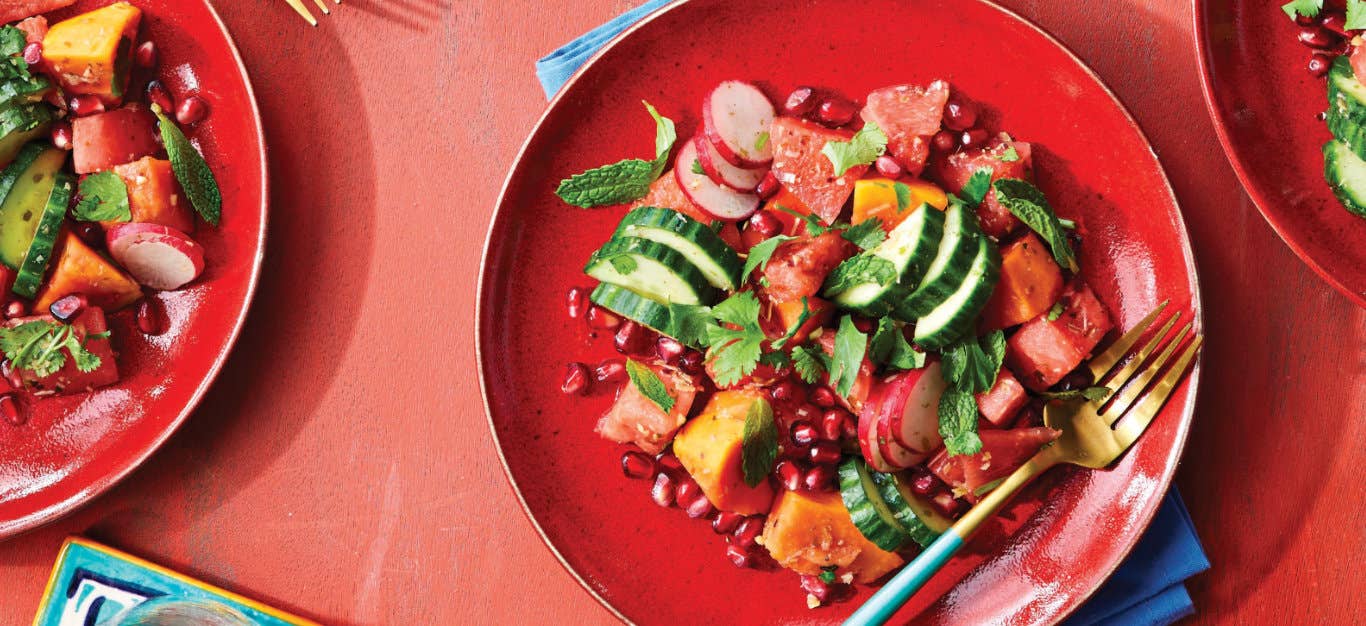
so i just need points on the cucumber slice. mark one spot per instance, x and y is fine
(917, 530)
(1346, 174)
(632, 306)
(910, 247)
(956, 252)
(652, 270)
(1346, 94)
(955, 315)
(690, 238)
(920, 506)
(1348, 131)
(25, 200)
(20, 125)
(866, 507)
(31, 273)
(19, 92)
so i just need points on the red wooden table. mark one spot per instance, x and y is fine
(342, 466)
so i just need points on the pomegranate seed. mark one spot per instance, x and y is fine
(157, 95)
(33, 53)
(819, 478)
(944, 141)
(146, 55)
(691, 362)
(192, 110)
(816, 587)
(575, 379)
(764, 224)
(808, 412)
(1336, 22)
(785, 391)
(726, 522)
(602, 319)
(1319, 64)
(849, 428)
(687, 491)
(737, 555)
(663, 490)
(804, 434)
(959, 115)
(700, 508)
(863, 324)
(946, 504)
(61, 135)
(670, 464)
(574, 302)
(11, 409)
(923, 483)
(800, 102)
(887, 166)
(610, 371)
(151, 317)
(637, 465)
(748, 531)
(825, 453)
(789, 474)
(91, 233)
(83, 105)
(823, 397)
(767, 187)
(668, 349)
(1319, 38)
(15, 309)
(67, 308)
(836, 112)
(832, 424)
(974, 138)
(12, 376)
(633, 339)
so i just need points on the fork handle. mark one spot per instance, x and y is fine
(881, 605)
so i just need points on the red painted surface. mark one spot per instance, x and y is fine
(316, 478)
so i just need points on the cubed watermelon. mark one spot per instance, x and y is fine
(1000, 404)
(71, 379)
(636, 419)
(955, 171)
(15, 10)
(1003, 452)
(798, 268)
(805, 172)
(104, 140)
(910, 115)
(1043, 351)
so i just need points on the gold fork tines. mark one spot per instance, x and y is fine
(302, 10)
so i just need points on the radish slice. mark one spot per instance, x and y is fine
(716, 200)
(737, 178)
(737, 116)
(896, 455)
(867, 441)
(915, 421)
(157, 256)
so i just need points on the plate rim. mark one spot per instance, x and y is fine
(1203, 50)
(10, 529)
(1145, 517)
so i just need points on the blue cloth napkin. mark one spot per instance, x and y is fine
(1149, 588)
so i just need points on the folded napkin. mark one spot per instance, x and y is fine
(1149, 588)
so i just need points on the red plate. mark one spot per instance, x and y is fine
(1265, 107)
(74, 448)
(1054, 546)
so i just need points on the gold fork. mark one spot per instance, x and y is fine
(304, 12)
(1094, 435)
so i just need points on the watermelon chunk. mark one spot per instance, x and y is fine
(955, 171)
(1042, 352)
(1003, 452)
(15, 10)
(636, 419)
(71, 379)
(1000, 403)
(805, 172)
(910, 115)
(101, 141)
(798, 268)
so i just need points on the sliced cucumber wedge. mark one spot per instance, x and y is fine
(718, 262)
(1346, 94)
(20, 125)
(1348, 131)
(918, 530)
(866, 507)
(651, 269)
(953, 259)
(30, 276)
(632, 306)
(910, 247)
(955, 315)
(1346, 174)
(26, 196)
(920, 506)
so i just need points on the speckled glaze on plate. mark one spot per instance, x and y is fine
(74, 448)
(1050, 549)
(1265, 107)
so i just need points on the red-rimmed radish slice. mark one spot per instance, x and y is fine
(737, 116)
(737, 178)
(915, 418)
(896, 455)
(156, 256)
(867, 441)
(719, 202)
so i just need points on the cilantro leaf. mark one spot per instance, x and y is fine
(104, 197)
(958, 422)
(623, 263)
(1092, 394)
(735, 352)
(890, 348)
(760, 254)
(647, 382)
(858, 270)
(814, 226)
(1026, 202)
(1011, 155)
(978, 185)
(190, 170)
(1356, 15)
(810, 363)
(867, 234)
(697, 167)
(761, 141)
(776, 360)
(19, 82)
(37, 347)
(863, 148)
(1307, 8)
(623, 181)
(689, 324)
(971, 364)
(1055, 312)
(827, 576)
(850, 346)
(903, 196)
(758, 443)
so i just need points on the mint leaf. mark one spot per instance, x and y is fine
(859, 270)
(971, 364)
(958, 422)
(1092, 394)
(735, 352)
(903, 196)
(760, 254)
(1026, 202)
(623, 181)
(890, 348)
(850, 346)
(810, 363)
(191, 170)
(867, 234)
(978, 185)
(758, 443)
(647, 382)
(1356, 15)
(1307, 8)
(104, 197)
(863, 148)
(1011, 155)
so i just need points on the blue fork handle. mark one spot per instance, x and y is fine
(888, 600)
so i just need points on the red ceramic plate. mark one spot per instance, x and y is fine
(1265, 107)
(74, 448)
(1055, 545)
